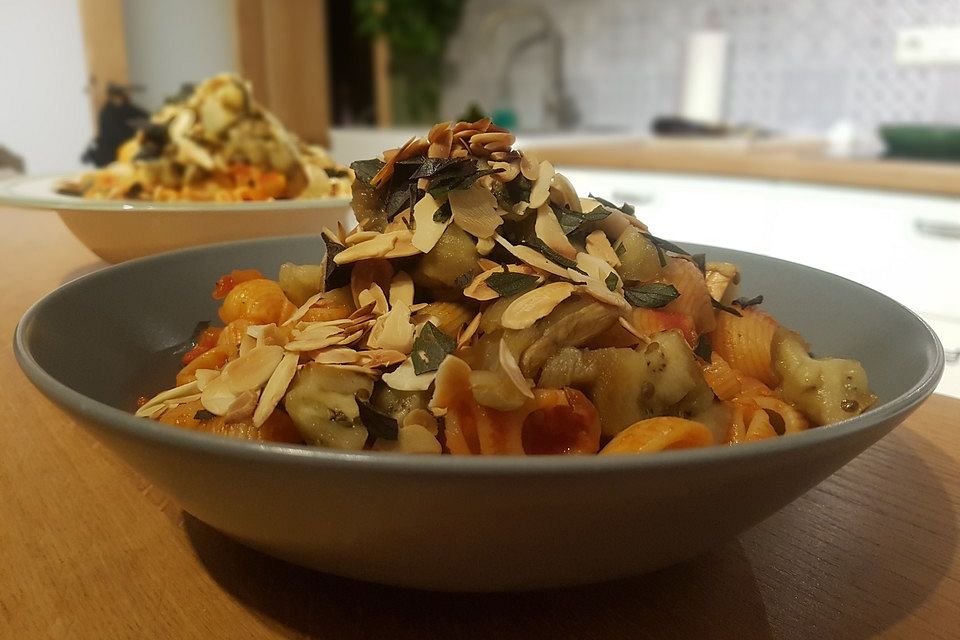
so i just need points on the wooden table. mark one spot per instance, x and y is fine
(89, 550)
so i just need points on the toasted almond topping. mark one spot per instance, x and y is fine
(478, 289)
(529, 166)
(355, 368)
(377, 247)
(380, 358)
(403, 247)
(510, 170)
(438, 130)
(204, 376)
(532, 257)
(632, 330)
(598, 291)
(302, 310)
(242, 407)
(247, 343)
(339, 355)
(467, 333)
(217, 397)
(487, 265)
(359, 236)
(536, 304)
(177, 392)
(401, 289)
(315, 337)
(598, 245)
(485, 246)
(251, 371)
(428, 231)
(719, 276)
(375, 295)
(275, 388)
(475, 211)
(596, 268)
(548, 229)
(510, 367)
(562, 192)
(331, 236)
(541, 188)
(393, 330)
(353, 337)
(404, 378)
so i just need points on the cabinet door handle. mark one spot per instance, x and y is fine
(937, 228)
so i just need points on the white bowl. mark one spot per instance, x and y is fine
(118, 230)
(445, 522)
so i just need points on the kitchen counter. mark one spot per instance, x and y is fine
(91, 550)
(744, 160)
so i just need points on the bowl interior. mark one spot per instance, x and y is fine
(115, 335)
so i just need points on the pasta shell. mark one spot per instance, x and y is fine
(659, 434)
(746, 342)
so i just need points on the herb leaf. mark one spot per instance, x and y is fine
(443, 213)
(651, 296)
(430, 348)
(379, 424)
(434, 167)
(338, 275)
(570, 220)
(203, 414)
(745, 302)
(440, 188)
(553, 256)
(507, 283)
(700, 259)
(612, 280)
(704, 349)
(625, 208)
(366, 169)
(666, 245)
(723, 307)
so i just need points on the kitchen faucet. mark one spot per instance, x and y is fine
(560, 106)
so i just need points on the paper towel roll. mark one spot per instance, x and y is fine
(704, 76)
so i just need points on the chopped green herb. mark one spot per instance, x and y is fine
(620, 250)
(553, 256)
(434, 167)
(625, 208)
(366, 169)
(464, 279)
(338, 275)
(571, 220)
(203, 414)
(379, 424)
(745, 302)
(704, 349)
(430, 348)
(666, 245)
(507, 283)
(443, 213)
(651, 296)
(454, 184)
(612, 280)
(723, 307)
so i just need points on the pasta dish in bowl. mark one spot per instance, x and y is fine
(309, 371)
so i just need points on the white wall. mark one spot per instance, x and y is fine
(176, 41)
(44, 111)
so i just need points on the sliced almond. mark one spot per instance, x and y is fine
(719, 276)
(177, 392)
(509, 170)
(377, 247)
(401, 289)
(487, 265)
(532, 257)
(529, 166)
(478, 288)
(242, 408)
(598, 245)
(339, 355)
(359, 236)
(548, 229)
(315, 337)
(204, 376)
(598, 291)
(247, 342)
(403, 246)
(217, 398)
(275, 388)
(423, 418)
(393, 330)
(467, 333)
(302, 310)
(595, 268)
(375, 295)
(364, 274)
(427, 231)
(485, 246)
(536, 304)
(252, 370)
(510, 367)
(541, 188)
(562, 192)
(356, 368)
(475, 211)
(404, 378)
(380, 358)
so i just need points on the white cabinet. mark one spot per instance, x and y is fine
(905, 246)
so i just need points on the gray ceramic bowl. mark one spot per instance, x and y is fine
(451, 523)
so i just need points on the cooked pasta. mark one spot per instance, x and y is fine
(482, 307)
(216, 144)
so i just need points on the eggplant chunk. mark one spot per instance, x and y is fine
(322, 401)
(628, 385)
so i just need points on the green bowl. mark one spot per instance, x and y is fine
(922, 141)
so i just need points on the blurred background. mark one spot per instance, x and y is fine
(821, 131)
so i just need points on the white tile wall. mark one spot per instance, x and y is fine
(798, 65)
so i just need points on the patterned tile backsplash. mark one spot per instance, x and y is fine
(794, 65)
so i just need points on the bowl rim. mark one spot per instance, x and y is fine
(128, 425)
(11, 196)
